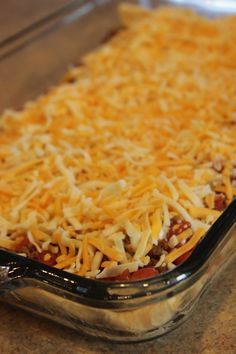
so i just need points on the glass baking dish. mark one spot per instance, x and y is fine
(30, 62)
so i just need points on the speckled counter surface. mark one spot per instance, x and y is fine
(211, 329)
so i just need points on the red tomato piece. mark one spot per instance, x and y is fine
(182, 258)
(124, 276)
(51, 261)
(22, 245)
(144, 273)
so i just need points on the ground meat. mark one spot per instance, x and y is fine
(105, 259)
(153, 261)
(177, 226)
(128, 246)
(157, 251)
(220, 201)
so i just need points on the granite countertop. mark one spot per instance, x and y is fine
(211, 329)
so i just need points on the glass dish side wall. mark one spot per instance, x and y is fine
(28, 66)
(133, 320)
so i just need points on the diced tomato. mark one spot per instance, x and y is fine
(177, 227)
(22, 244)
(143, 273)
(51, 261)
(182, 258)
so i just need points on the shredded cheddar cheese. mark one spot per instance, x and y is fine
(176, 253)
(140, 135)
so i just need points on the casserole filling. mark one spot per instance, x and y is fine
(118, 172)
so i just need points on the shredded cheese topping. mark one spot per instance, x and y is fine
(142, 132)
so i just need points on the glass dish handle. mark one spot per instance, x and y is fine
(4, 280)
(11, 273)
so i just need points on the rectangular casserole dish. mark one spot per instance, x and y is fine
(131, 311)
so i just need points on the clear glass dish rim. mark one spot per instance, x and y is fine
(21, 268)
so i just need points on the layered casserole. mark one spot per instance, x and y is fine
(118, 172)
